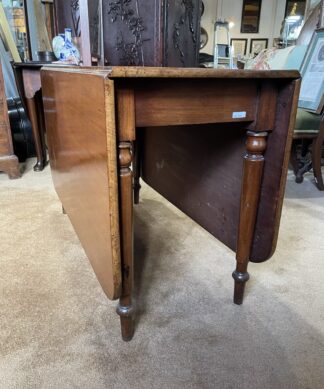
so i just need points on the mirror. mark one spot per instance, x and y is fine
(251, 16)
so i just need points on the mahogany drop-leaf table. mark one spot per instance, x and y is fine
(215, 143)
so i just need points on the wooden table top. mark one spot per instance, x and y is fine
(156, 72)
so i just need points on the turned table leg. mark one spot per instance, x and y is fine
(125, 307)
(250, 193)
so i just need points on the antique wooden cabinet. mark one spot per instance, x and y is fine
(8, 161)
(151, 33)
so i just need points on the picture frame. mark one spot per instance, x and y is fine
(250, 20)
(239, 46)
(312, 71)
(295, 8)
(257, 45)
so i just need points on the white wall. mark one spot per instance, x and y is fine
(272, 15)
(207, 22)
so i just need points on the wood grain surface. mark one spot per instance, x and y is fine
(80, 122)
(195, 101)
(190, 126)
(155, 72)
(199, 169)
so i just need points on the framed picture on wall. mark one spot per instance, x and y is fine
(251, 16)
(239, 47)
(312, 70)
(257, 45)
(295, 8)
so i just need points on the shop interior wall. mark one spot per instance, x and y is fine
(271, 18)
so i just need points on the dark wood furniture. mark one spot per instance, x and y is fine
(27, 75)
(215, 143)
(151, 33)
(8, 161)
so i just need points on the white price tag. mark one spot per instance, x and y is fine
(238, 115)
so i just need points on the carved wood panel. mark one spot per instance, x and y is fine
(183, 33)
(155, 33)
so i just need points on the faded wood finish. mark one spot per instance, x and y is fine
(140, 72)
(200, 169)
(82, 147)
(8, 161)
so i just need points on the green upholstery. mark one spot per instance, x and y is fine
(307, 122)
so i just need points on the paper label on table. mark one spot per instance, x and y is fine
(238, 115)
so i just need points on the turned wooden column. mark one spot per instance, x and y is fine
(250, 193)
(126, 138)
(125, 307)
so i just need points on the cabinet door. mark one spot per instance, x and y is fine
(132, 32)
(80, 122)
